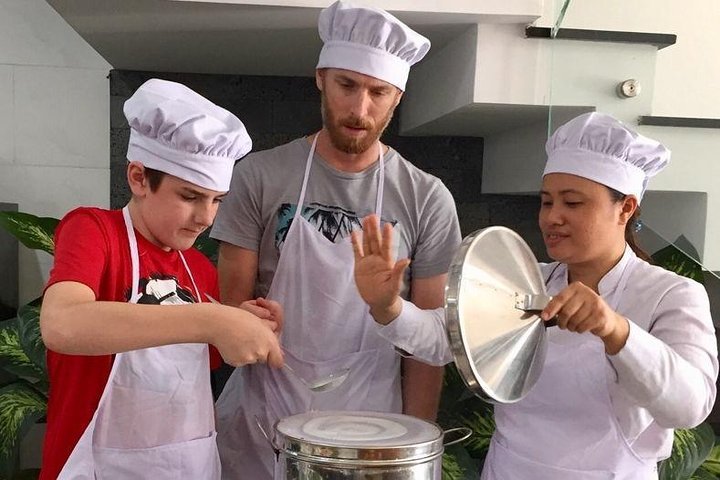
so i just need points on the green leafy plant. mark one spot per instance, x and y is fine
(23, 397)
(690, 449)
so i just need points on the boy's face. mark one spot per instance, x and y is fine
(176, 213)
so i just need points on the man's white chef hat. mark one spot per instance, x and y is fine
(369, 41)
(179, 132)
(602, 149)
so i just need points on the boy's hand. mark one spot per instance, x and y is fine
(244, 339)
(268, 310)
(377, 276)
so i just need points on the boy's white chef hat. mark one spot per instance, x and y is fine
(179, 132)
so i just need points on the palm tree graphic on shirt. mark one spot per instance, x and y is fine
(335, 223)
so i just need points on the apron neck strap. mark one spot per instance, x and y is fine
(134, 257)
(135, 260)
(308, 164)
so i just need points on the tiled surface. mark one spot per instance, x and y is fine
(52, 191)
(7, 115)
(61, 117)
(33, 33)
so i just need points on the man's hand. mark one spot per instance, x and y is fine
(377, 276)
(268, 310)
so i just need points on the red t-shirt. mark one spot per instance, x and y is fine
(91, 247)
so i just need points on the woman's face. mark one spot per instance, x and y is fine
(579, 220)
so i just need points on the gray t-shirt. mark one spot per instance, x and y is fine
(265, 188)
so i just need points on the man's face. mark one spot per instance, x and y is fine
(356, 108)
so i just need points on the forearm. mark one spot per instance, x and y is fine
(671, 383)
(101, 328)
(237, 271)
(421, 333)
(422, 383)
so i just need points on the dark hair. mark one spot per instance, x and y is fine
(631, 227)
(154, 178)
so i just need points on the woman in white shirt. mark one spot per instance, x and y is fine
(635, 355)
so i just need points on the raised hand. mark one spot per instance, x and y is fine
(377, 275)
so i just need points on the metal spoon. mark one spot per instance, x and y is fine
(322, 384)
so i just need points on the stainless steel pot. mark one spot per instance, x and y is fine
(337, 445)
(493, 296)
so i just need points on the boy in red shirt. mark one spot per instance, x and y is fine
(129, 382)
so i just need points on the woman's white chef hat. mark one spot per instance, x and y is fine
(600, 148)
(179, 132)
(369, 41)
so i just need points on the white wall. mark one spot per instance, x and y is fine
(54, 127)
(687, 76)
(688, 73)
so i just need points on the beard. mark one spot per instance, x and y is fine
(350, 144)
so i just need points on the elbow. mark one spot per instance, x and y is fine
(53, 335)
(690, 415)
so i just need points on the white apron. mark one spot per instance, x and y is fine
(579, 437)
(155, 417)
(327, 328)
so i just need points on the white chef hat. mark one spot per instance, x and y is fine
(602, 149)
(369, 41)
(179, 132)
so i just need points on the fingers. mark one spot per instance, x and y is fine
(399, 270)
(554, 306)
(275, 357)
(387, 242)
(367, 228)
(276, 312)
(374, 236)
(357, 245)
(257, 310)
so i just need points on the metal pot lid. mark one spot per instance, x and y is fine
(359, 436)
(499, 349)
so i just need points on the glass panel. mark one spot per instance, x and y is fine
(561, 8)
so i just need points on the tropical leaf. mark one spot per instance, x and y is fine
(702, 474)
(690, 449)
(32, 344)
(671, 258)
(32, 231)
(12, 356)
(20, 407)
(457, 463)
(712, 462)
(207, 246)
(451, 469)
(482, 423)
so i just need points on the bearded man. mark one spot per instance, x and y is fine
(285, 230)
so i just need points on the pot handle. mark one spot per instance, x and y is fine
(267, 437)
(464, 433)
